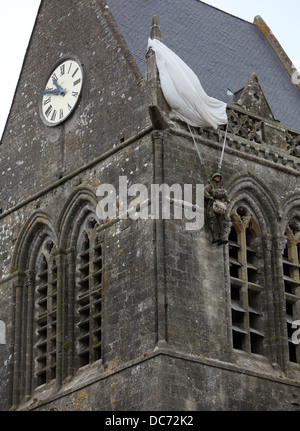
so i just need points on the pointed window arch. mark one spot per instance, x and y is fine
(88, 307)
(246, 283)
(58, 298)
(83, 245)
(45, 313)
(37, 314)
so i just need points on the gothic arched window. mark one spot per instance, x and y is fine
(88, 293)
(58, 320)
(291, 276)
(45, 313)
(246, 283)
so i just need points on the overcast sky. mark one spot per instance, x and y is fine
(17, 18)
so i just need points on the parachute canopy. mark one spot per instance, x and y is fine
(183, 90)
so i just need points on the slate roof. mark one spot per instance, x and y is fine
(221, 49)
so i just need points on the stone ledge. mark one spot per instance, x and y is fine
(262, 154)
(84, 379)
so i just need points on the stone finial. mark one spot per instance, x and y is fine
(253, 99)
(155, 32)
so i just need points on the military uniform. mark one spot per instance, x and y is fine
(215, 192)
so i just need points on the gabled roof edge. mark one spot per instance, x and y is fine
(20, 73)
(127, 52)
(282, 56)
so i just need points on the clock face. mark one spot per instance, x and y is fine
(62, 91)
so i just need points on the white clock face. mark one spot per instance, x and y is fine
(62, 91)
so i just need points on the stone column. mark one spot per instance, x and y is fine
(17, 338)
(29, 333)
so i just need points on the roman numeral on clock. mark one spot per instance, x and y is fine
(75, 72)
(48, 111)
(48, 100)
(53, 115)
(62, 69)
(76, 82)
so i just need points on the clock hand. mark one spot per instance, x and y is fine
(59, 88)
(53, 92)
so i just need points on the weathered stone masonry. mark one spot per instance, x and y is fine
(142, 315)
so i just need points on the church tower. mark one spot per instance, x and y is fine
(134, 311)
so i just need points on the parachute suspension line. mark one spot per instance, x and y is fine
(199, 154)
(223, 151)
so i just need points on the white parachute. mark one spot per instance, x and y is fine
(183, 90)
